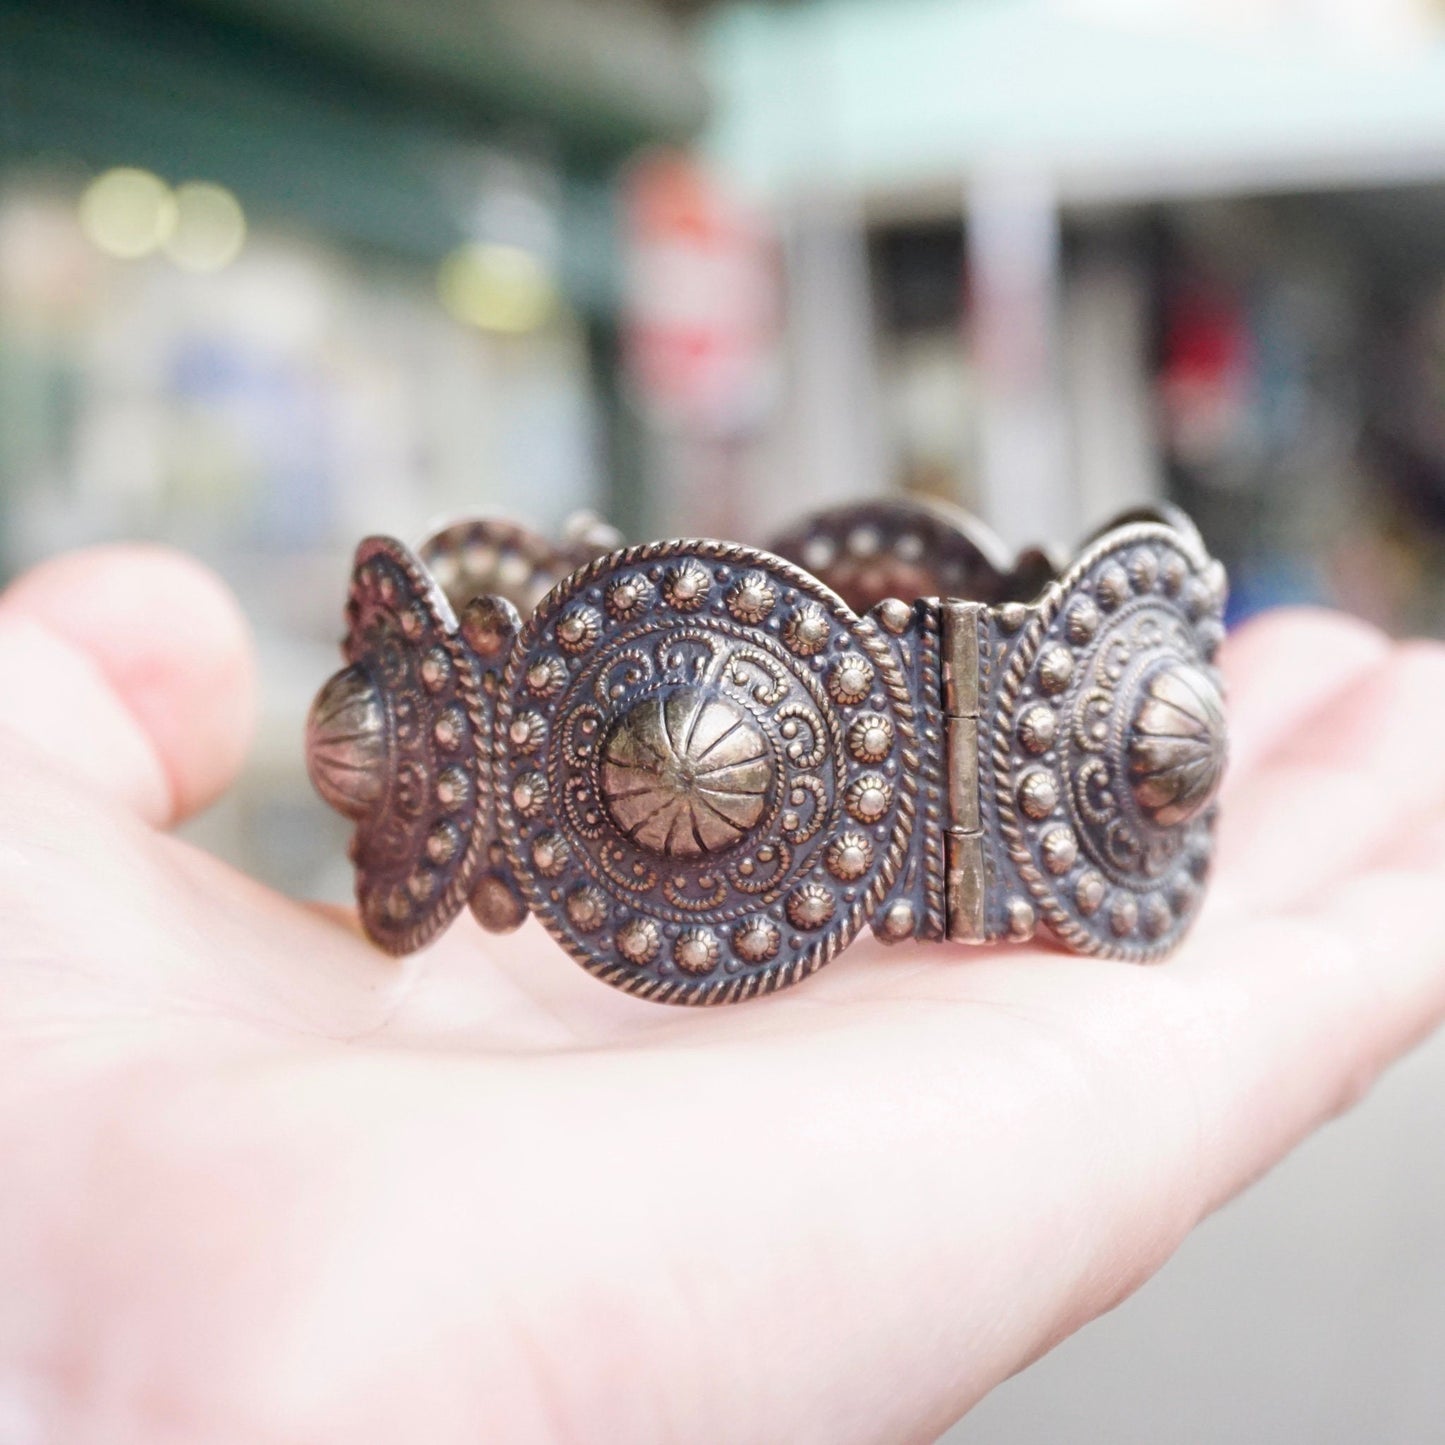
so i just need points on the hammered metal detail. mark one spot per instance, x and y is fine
(579, 629)
(1021, 919)
(529, 794)
(898, 922)
(869, 796)
(870, 737)
(1089, 893)
(550, 852)
(496, 903)
(752, 597)
(757, 939)
(546, 677)
(1109, 743)
(1084, 620)
(1143, 569)
(1060, 850)
(587, 909)
(686, 586)
(850, 678)
(725, 794)
(850, 855)
(528, 732)
(1038, 794)
(444, 842)
(1112, 585)
(346, 743)
(1037, 728)
(811, 906)
(894, 615)
(1056, 667)
(488, 626)
(639, 940)
(806, 630)
(696, 951)
(626, 596)
(450, 729)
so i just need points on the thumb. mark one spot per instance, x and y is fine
(131, 669)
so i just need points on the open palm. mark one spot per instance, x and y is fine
(265, 1185)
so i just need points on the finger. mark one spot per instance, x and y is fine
(993, 1177)
(131, 669)
(915, 1197)
(1329, 800)
(1283, 668)
(869, 1211)
(1316, 1005)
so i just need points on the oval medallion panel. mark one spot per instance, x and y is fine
(1109, 743)
(396, 742)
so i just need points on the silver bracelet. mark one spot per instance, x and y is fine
(706, 766)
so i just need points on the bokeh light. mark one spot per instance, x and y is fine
(127, 212)
(497, 288)
(209, 230)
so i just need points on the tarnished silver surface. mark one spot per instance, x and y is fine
(704, 770)
(495, 556)
(397, 741)
(713, 793)
(347, 744)
(909, 547)
(1106, 745)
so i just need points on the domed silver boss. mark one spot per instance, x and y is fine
(1177, 744)
(346, 752)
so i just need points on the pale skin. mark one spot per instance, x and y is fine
(264, 1184)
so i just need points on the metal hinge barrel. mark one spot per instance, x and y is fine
(962, 624)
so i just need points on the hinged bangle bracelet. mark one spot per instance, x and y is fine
(706, 766)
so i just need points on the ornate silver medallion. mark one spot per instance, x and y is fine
(396, 741)
(721, 798)
(1108, 743)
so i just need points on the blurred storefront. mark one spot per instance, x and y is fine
(277, 273)
(273, 276)
(1051, 258)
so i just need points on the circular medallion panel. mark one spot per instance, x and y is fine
(412, 693)
(725, 788)
(1110, 744)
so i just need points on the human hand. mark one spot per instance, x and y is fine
(265, 1184)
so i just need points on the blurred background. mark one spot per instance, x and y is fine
(275, 274)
